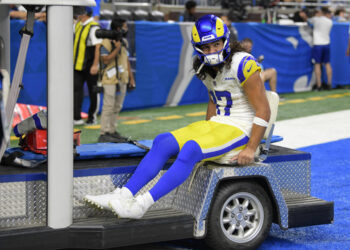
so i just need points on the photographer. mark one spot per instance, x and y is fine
(116, 75)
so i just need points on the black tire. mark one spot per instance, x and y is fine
(256, 213)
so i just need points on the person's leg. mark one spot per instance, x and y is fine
(316, 54)
(118, 105)
(107, 108)
(318, 75)
(220, 139)
(326, 60)
(164, 146)
(270, 75)
(94, 97)
(329, 74)
(78, 93)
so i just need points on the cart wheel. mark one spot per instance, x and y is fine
(240, 216)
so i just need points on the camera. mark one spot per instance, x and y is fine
(109, 34)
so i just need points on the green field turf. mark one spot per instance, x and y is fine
(295, 105)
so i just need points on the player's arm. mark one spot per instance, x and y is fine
(255, 92)
(211, 109)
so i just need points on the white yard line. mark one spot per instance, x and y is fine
(312, 130)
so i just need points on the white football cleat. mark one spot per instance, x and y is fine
(132, 208)
(101, 201)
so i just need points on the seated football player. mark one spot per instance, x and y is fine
(237, 116)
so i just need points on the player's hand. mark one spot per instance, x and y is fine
(348, 52)
(94, 69)
(245, 157)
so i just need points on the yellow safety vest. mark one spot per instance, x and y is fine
(80, 39)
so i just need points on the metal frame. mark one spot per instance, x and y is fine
(60, 87)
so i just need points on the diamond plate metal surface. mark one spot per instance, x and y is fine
(196, 199)
(267, 171)
(294, 178)
(22, 204)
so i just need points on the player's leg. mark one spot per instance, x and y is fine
(329, 72)
(318, 74)
(326, 60)
(210, 143)
(316, 54)
(270, 75)
(219, 140)
(164, 146)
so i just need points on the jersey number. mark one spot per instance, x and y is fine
(219, 95)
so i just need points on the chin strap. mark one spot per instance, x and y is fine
(200, 68)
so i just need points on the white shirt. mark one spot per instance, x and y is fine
(322, 29)
(233, 107)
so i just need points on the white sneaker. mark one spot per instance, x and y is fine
(101, 201)
(133, 208)
(78, 122)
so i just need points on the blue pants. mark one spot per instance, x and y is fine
(164, 147)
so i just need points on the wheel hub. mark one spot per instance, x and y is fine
(242, 216)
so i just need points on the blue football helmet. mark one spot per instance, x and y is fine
(208, 29)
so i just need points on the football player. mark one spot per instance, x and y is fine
(237, 116)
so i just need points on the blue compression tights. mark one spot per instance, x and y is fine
(164, 146)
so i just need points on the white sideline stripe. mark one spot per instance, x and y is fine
(312, 130)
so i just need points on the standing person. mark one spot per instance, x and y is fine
(237, 116)
(189, 14)
(86, 63)
(233, 32)
(322, 25)
(116, 74)
(269, 74)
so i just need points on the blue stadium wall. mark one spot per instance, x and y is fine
(163, 55)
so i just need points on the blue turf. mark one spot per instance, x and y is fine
(330, 180)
